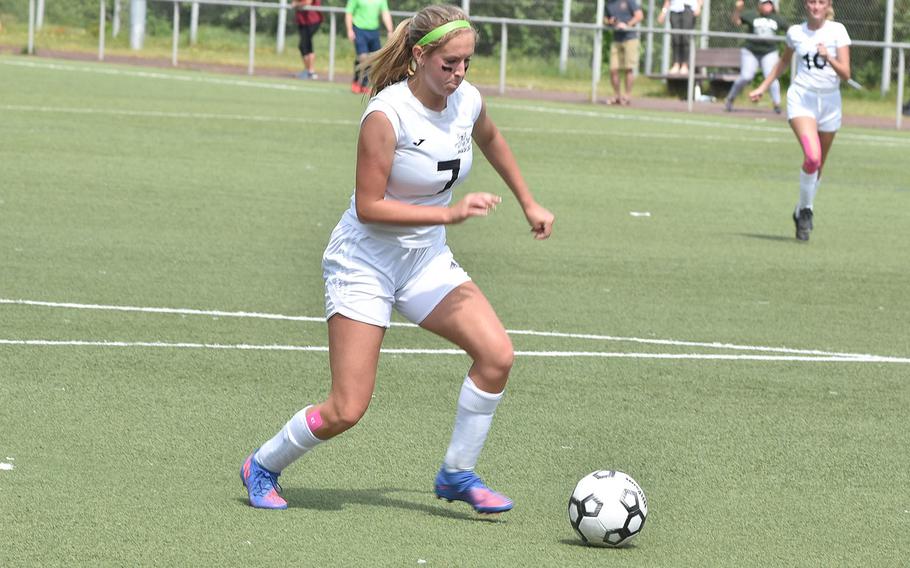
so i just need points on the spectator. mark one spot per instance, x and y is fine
(682, 17)
(307, 24)
(623, 16)
(362, 18)
(764, 22)
(907, 108)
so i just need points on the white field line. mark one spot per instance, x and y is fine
(178, 115)
(781, 134)
(585, 336)
(103, 70)
(868, 139)
(393, 351)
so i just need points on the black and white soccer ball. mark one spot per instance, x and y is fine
(608, 508)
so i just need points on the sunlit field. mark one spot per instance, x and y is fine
(160, 315)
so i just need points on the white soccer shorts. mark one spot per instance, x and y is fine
(823, 106)
(366, 277)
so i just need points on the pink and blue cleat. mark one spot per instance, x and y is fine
(262, 485)
(466, 486)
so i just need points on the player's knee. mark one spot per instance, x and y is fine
(812, 164)
(812, 151)
(498, 358)
(344, 415)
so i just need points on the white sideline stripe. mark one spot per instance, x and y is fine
(325, 122)
(258, 315)
(168, 76)
(179, 311)
(874, 139)
(180, 115)
(889, 140)
(393, 351)
(782, 135)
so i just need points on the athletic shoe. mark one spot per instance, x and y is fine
(728, 105)
(365, 89)
(314, 75)
(803, 221)
(466, 486)
(777, 109)
(306, 75)
(355, 88)
(262, 485)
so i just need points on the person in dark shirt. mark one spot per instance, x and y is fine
(622, 16)
(764, 22)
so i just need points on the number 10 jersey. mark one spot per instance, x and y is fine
(814, 72)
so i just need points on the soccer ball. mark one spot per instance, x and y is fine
(607, 508)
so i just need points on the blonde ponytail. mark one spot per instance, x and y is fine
(390, 64)
(394, 61)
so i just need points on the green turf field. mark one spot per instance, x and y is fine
(160, 293)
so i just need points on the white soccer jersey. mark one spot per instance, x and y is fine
(814, 72)
(433, 155)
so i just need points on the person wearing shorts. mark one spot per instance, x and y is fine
(623, 16)
(307, 25)
(362, 18)
(822, 49)
(764, 22)
(389, 251)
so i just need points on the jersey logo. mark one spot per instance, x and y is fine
(419, 142)
(463, 144)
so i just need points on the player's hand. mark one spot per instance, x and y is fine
(541, 221)
(351, 35)
(755, 95)
(473, 205)
(740, 4)
(823, 51)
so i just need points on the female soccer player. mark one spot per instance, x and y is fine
(822, 48)
(389, 250)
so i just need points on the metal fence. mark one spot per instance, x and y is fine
(568, 33)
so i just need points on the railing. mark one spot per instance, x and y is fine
(504, 23)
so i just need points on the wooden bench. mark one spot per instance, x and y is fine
(719, 66)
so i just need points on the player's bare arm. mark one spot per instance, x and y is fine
(497, 151)
(375, 152)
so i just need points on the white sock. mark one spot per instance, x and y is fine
(808, 185)
(291, 442)
(472, 423)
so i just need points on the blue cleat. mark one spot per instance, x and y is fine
(466, 486)
(262, 485)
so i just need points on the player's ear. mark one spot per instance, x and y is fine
(417, 53)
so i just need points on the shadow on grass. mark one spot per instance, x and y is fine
(338, 499)
(578, 543)
(779, 238)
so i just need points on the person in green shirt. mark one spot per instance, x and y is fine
(764, 22)
(362, 19)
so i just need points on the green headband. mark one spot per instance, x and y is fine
(443, 30)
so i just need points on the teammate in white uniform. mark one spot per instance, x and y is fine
(389, 250)
(822, 49)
